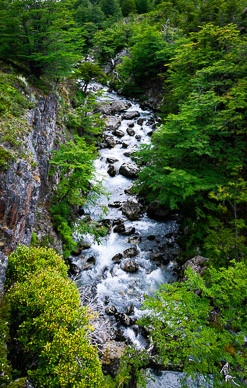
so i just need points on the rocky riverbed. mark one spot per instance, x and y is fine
(139, 251)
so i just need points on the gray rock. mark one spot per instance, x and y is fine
(129, 231)
(111, 160)
(135, 240)
(118, 133)
(129, 266)
(130, 252)
(119, 106)
(119, 229)
(117, 257)
(198, 264)
(129, 170)
(111, 310)
(112, 123)
(130, 131)
(111, 142)
(131, 115)
(140, 121)
(112, 170)
(132, 209)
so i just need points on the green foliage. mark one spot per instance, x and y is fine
(77, 187)
(41, 35)
(88, 71)
(48, 323)
(5, 370)
(200, 325)
(127, 7)
(13, 126)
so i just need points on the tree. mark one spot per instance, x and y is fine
(89, 71)
(110, 8)
(200, 324)
(143, 6)
(128, 6)
(40, 35)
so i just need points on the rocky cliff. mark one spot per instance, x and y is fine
(24, 183)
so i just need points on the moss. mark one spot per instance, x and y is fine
(18, 383)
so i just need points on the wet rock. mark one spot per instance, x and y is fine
(90, 262)
(129, 170)
(115, 204)
(138, 137)
(111, 353)
(124, 319)
(157, 211)
(130, 115)
(130, 309)
(111, 160)
(84, 245)
(119, 228)
(112, 171)
(118, 133)
(159, 258)
(125, 145)
(151, 237)
(119, 106)
(130, 131)
(130, 252)
(119, 335)
(132, 209)
(131, 125)
(110, 141)
(128, 154)
(129, 231)
(150, 133)
(74, 269)
(128, 190)
(111, 310)
(140, 121)
(112, 123)
(81, 212)
(107, 299)
(135, 240)
(198, 264)
(117, 221)
(129, 266)
(117, 257)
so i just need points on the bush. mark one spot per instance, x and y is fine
(50, 328)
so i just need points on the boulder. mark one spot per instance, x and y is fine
(119, 106)
(111, 310)
(135, 240)
(125, 145)
(129, 170)
(198, 264)
(112, 123)
(130, 115)
(151, 237)
(131, 125)
(157, 211)
(129, 231)
(117, 257)
(110, 141)
(111, 160)
(140, 121)
(138, 137)
(132, 209)
(124, 319)
(104, 108)
(129, 266)
(119, 229)
(130, 131)
(119, 133)
(112, 170)
(130, 252)
(111, 353)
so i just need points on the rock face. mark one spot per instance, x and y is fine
(23, 183)
(131, 115)
(129, 170)
(132, 209)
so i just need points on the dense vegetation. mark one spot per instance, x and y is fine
(192, 56)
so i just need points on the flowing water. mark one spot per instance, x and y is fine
(111, 283)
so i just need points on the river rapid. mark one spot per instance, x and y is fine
(138, 254)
